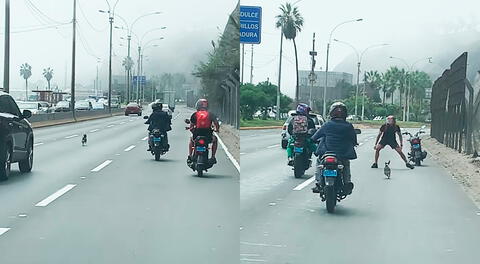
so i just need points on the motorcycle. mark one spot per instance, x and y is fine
(302, 154)
(200, 161)
(158, 140)
(416, 154)
(330, 181)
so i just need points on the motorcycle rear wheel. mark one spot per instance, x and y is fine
(418, 162)
(157, 156)
(331, 198)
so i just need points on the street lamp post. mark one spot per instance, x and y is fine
(6, 58)
(326, 66)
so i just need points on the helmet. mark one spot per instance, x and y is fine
(391, 120)
(157, 106)
(202, 104)
(303, 109)
(338, 110)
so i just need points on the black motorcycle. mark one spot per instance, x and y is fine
(330, 181)
(416, 154)
(302, 154)
(200, 161)
(158, 140)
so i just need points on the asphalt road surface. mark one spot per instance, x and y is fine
(418, 216)
(111, 202)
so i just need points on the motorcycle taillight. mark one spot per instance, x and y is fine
(330, 160)
(416, 141)
(201, 141)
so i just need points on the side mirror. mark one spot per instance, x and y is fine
(26, 114)
(358, 131)
(145, 117)
(187, 121)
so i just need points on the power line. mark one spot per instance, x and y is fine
(43, 14)
(88, 22)
(84, 43)
(44, 19)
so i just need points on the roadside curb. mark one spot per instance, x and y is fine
(70, 121)
(260, 128)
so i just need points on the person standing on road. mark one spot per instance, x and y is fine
(387, 134)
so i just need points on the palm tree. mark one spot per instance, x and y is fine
(48, 74)
(373, 79)
(291, 22)
(26, 72)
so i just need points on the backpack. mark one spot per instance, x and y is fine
(300, 124)
(203, 119)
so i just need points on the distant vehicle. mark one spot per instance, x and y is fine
(115, 102)
(133, 108)
(16, 137)
(83, 106)
(33, 107)
(98, 106)
(166, 108)
(377, 118)
(46, 107)
(317, 119)
(354, 118)
(62, 106)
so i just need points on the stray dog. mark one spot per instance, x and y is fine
(84, 140)
(387, 171)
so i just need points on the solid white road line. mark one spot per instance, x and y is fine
(273, 146)
(129, 148)
(72, 136)
(37, 144)
(55, 195)
(94, 130)
(304, 184)
(3, 230)
(229, 155)
(145, 138)
(101, 166)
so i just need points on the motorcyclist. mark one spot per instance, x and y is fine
(159, 119)
(337, 136)
(201, 123)
(302, 110)
(388, 137)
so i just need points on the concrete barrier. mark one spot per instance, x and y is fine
(42, 120)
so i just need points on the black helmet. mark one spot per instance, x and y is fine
(338, 110)
(157, 106)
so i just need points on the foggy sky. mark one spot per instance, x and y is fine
(191, 25)
(414, 29)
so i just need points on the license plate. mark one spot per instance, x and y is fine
(416, 146)
(201, 149)
(157, 139)
(330, 173)
(298, 150)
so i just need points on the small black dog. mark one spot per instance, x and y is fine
(84, 140)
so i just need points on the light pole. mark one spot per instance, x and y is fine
(141, 50)
(326, 65)
(359, 62)
(6, 58)
(410, 70)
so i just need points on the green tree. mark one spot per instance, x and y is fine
(48, 74)
(290, 21)
(26, 72)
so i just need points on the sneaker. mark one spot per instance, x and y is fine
(290, 162)
(410, 166)
(213, 160)
(374, 166)
(316, 189)
(149, 149)
(348, 188)
(189, 161)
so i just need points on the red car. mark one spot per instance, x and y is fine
(133, 108)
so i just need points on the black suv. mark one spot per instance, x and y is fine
(16, 137)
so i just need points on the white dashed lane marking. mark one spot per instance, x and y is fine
(55, 195)
(72, 136)
(304, 184)
(129, 148)
(101, 166)
(94, 130)
(37, 144)
(3, 230)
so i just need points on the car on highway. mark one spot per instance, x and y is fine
(317, 119)
(62, 106)
(133, 108)
(167, 109)
(98, 106)
(16, 137)
(83, 106)
(34, 107)
(378, 118)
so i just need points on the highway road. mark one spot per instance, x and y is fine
(111, 202)
(418, 216)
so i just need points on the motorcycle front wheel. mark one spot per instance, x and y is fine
(331, 198)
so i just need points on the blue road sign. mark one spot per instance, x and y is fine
(250, 24)
(143, 79)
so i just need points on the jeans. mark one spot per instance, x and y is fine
(347, 177)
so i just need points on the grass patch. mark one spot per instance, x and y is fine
(261, 123)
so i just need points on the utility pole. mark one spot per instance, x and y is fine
(324, 112)
(312, 75)
(356, 90)
(251, 67)
(110, 18)
(138, 74)
(129, 69)
(72, 91)
(6, 58)
(363, 94)
(279, 75)
(243, 61)
(142, 85)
